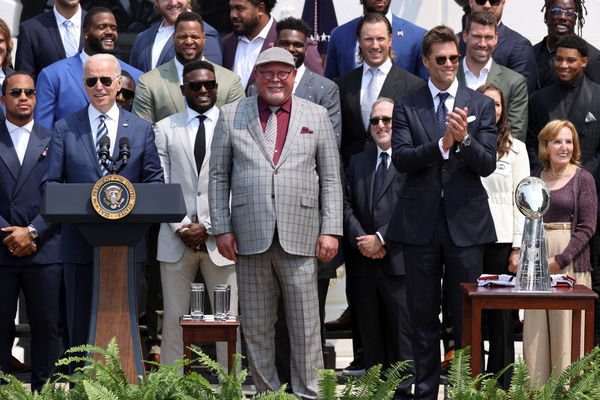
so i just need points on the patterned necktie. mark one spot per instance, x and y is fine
(380, 175)
(271, 130)
(369, 97)
(100, 133)
(441, 112)
(200, 143)
(71, 47)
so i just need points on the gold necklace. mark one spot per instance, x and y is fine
(553, 176)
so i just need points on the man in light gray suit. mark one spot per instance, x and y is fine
(478, 67)
(275, 156)
(183, 141)
(157, 94)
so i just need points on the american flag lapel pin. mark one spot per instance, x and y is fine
(400, 33)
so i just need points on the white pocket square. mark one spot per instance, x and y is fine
(590, 117)
(471, 118)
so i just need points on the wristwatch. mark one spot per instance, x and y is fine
(208, 227)
(465, 142)
(33, 233)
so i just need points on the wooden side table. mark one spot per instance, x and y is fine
(209, 331)
(475, 298)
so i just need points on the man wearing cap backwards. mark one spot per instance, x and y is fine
(278, 226)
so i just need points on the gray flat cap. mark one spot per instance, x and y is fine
(275, 55)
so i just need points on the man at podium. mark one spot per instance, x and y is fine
(73, 158)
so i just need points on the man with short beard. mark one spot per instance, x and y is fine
(343, 50)
(49, 37)
(60, 85)
(158, 95)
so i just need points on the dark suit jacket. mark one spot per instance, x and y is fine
(355, 138)
(545, 105)
(415, 142)
(141, 53)
(72, 158)
(40, 44)
(230, 42)
(512, 51)
(20, 196)
(362, 216)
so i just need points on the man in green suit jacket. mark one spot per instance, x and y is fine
(158, 96)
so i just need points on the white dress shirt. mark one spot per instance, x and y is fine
(20, 137)
(163, 35)
(384, 70)
(471, 80)
(299, 74)
(247, 52)
(75, 20)
(452, 90)
(112, 123)
(179, 68)
(212, 115)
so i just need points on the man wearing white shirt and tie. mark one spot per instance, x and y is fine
(183, 141)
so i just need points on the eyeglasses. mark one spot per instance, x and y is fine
(104, 80)
(197, 85)
(442, 60)
(385, 120)
(281, 75)
(560, 11)
(16, 92)
(127, 94)
(492, 2)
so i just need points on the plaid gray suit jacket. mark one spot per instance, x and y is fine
(301, 196)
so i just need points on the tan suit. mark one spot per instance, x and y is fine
(158, 95)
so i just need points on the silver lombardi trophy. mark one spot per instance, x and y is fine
(533, 200)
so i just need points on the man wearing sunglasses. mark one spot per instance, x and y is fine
(561, 17)
(374, 264)
(73, 157)
(60, 85)
(126, 95)
(158, 94)
(275, 156)
(444, 138)
(29, 259)
(184, 145)
(512, 49)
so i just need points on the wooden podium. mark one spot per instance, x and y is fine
(114, 307)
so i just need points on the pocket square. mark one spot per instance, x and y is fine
(590, 117)
(305, 130)
(471, 118)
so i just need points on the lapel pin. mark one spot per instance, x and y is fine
(400, 33)
(125, 125)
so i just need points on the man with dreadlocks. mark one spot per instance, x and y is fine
(561, 16)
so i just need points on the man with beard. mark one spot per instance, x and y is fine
(60, 85)
(560, 16)
(183, 141)
(158, 94)
(49, 37)
(154, 46)
(254, 30)
(343, 49)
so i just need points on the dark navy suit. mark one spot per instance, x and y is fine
(442, 216)
(406, 42)
(39, 275)
(40, 43)
(141, 53)
(72, 158)
(378, 286)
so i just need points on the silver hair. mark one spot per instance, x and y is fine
(104, 57)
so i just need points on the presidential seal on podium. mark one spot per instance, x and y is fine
(113, 196)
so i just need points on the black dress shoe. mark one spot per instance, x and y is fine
(343, 323)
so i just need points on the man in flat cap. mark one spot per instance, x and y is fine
(276, 156)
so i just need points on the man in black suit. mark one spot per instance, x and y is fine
(29, 251)
(374, 264)
(513, 50)
(444, 138)
(561, 16)
(377, 77)
(50, 37)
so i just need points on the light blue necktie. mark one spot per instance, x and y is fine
(71, 46)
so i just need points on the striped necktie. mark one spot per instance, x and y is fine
(100, 133)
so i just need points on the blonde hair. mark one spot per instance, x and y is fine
(549, 133)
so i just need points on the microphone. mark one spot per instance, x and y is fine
(104, 149)
(124, 149)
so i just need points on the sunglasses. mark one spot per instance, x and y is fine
(281, 75)
(442, 60)
(492, 2)
(197, 85)
(16, 92)
(104, 80)
(127, 94)
(385, 120)
(560, 11)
